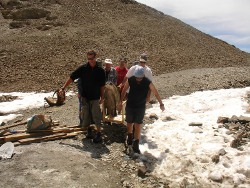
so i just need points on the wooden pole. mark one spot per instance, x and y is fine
(14, 125)
(47, 138)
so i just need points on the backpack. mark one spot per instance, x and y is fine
(39, 122)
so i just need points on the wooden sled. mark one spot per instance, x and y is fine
(119, 119)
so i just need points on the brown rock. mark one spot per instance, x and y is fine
(153, 116)
(215, 158)
(142, 171)
(222, 120)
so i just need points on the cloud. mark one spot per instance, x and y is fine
(211, 16)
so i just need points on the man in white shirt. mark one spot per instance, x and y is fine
(147, 72)
(142, 62)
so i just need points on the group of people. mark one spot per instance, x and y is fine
(137, 81)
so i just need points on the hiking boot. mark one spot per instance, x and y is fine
(130, 139)
(136, 147)
(98, 138)
(90, 133)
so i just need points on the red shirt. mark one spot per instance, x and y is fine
(121, 73)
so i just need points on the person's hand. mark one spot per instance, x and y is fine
(162, 107)
(120, 87)
(61, 91)
(101, 101)
(148, 99)
(120, 105)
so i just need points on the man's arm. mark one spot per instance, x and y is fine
(154, 90)
(67, 83)
(148, 75)
(115, 77)
(129, 74)
(148, 95)
(124, 81)
(125, 88)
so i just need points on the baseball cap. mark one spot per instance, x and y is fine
(143, 57)
(139, 71)
(108, 61)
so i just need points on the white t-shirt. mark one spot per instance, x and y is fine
(148, 72)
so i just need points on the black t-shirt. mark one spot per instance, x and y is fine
(138, 92)
(92, 79)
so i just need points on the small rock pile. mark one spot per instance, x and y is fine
(239, 127)
(7, 98)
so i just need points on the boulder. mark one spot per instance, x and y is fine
(30, 13)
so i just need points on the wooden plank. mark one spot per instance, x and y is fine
(14, 125)
(38, 139)
(117, 119)
(36, 133)
(56, 137)
(15, 137)
(10, 132)
(47, 138)
(58, 130)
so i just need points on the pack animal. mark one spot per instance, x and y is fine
(111, 100)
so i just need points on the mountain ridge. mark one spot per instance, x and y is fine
(44, 40)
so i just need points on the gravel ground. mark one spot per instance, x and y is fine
(78, 160)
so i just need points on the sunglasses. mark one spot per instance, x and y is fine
(142, 62)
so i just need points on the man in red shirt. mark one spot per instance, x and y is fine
(121, 72)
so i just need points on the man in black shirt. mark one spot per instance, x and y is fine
(92, 93)
(136, 105)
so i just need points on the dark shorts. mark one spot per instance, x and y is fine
(135, 115)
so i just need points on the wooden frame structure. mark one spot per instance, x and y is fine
(119, 119)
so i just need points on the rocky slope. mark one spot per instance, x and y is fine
(42, 41)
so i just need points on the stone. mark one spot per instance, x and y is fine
(167, 118)
(30, 13)
(10, 4)
(167, 150)
(216, 176)
(233, 119)
(6, 150)
(222, 152)
(215, 158)
(197, 130)
(235, 143)
(195, 124)
(234, 126)
(222, 120)
(18, 24)
(153, 116)
(226, 165)
(2, 124)
(244, 119)
(142, 171)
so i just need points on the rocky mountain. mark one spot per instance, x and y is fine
(42, 41)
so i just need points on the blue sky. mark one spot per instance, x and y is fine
(228, 20)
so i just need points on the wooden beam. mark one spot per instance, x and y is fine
(58, 130)
(37, 133)
(14, 125)
(47, 138)
(39, 139)
(15, 137)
